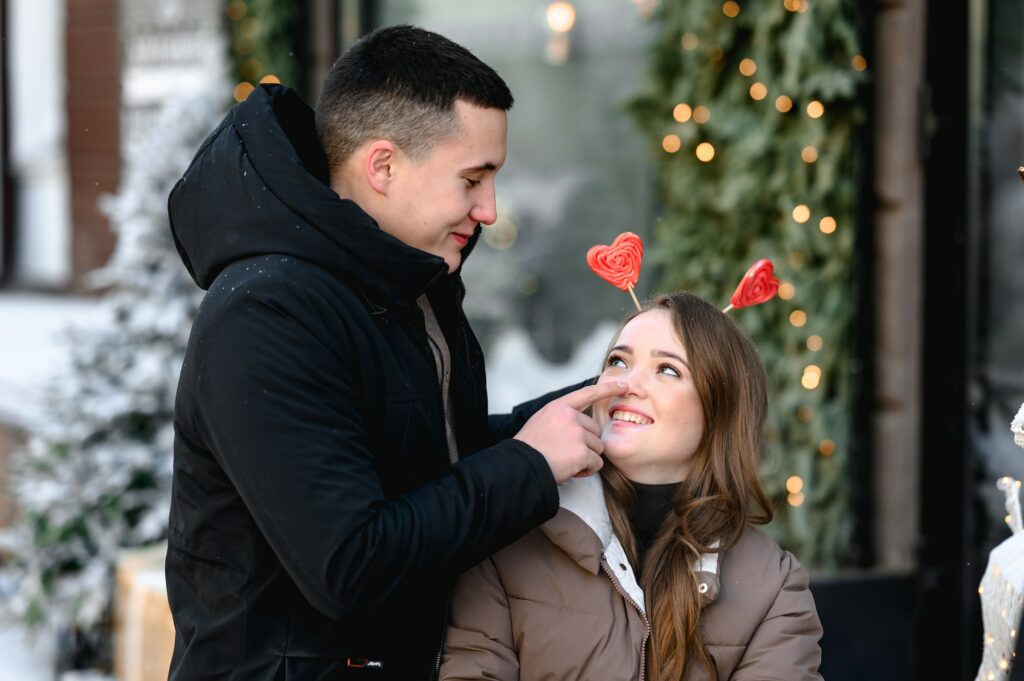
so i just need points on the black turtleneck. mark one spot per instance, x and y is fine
(653, 503)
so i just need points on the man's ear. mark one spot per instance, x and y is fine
(379, 165)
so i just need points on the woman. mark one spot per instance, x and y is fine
(652, 570)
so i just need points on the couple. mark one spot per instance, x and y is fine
(336, 471)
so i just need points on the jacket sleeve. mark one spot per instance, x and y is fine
(278, 402)
(784, 647)
(503, 426)
(480, 643)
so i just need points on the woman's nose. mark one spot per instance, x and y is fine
(635, 380)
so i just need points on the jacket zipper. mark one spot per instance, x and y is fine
(444, 635)
(647, 634)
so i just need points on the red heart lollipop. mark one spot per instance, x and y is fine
(757, 286)
(618, 264)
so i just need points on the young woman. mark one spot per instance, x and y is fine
(652, 570)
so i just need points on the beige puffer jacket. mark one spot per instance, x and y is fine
(563, 604)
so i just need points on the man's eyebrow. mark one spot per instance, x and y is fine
(480, 168)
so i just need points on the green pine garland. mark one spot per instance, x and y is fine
(721, 215)
(261, 34)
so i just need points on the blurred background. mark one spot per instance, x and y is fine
(868, 148)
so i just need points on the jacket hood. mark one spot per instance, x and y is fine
(260, 185)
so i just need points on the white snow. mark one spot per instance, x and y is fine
(31, 349)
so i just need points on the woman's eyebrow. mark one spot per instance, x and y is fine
(672, 355)
(622, 348)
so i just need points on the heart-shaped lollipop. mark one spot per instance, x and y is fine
(757, 286)
(619, 264)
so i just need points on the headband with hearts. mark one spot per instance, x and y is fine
(619, 265)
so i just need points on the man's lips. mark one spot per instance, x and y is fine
(462, 239)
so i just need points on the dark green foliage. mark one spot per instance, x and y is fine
(720, 216)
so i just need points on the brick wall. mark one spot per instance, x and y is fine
(93, 106)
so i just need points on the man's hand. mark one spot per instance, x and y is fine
(569, 439)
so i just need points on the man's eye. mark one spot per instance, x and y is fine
(471, 182)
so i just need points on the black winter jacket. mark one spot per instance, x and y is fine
(315, 522)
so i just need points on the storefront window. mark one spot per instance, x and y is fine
(577, 172)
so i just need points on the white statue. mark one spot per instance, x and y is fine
(1002, 587)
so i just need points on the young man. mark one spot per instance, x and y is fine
(323, 500)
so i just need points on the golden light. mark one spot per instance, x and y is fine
(748, 67)
(503, 234)
(252, 68)
(798, 318)
(795, 499)
(671, 143)
(758, 91)
(791, 5)
(682, 112)
(783, 103)
(811, 377)
(236, 10)
(809, 154)
(787, 291)
(243, 90)
(801, 214)
(705, 151)
(827, 224)
(859, 63)
(826, 447)
(270, 78)
(805, 413)
(701, 114)
(804, 6)
(561, 17)
(690, 41)
(731, 9)
(815, 343)
(794, 484)
(815, 109)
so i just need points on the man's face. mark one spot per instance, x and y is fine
(435, 203)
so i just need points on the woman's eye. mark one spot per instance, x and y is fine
(615, 361)
(670, 370)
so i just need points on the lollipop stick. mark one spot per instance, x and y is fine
(633, 295)
(726, 309)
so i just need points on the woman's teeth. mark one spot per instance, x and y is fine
(631, 417)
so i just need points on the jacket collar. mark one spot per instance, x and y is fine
(583, 529)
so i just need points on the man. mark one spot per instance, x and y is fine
(323, 500)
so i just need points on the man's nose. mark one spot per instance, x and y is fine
(485, 210)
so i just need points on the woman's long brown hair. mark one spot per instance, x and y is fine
(720, 494)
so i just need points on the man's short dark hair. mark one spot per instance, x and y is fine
(400, 83)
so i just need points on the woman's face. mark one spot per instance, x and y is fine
(650, 432)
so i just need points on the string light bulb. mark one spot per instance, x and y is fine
(787, 291)
(682, 112)
(783, 103)
(798, 318)
(705, 151)
(690, 41)
(758, 91)
(748, 67)
(809, 154)
(858, 62)
(701, 114)
(794, 484)
(671, 143)
(815, 109)
(826, 447)
(731, 9)
(243, 90)
(801, 214)
(561, 17)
